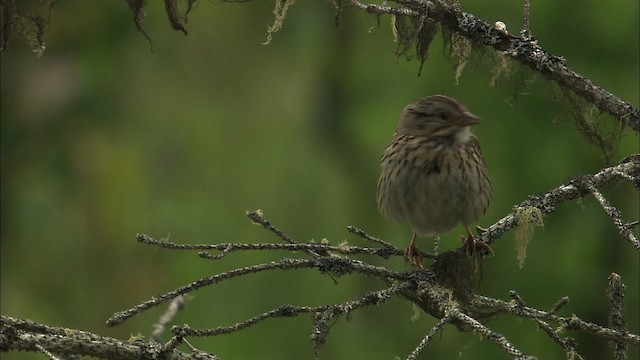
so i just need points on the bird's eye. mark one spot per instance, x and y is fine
(443, 115)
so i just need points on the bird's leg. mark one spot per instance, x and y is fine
(412, 254)
(473, 245)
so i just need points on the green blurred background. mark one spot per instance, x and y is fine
(103, 139)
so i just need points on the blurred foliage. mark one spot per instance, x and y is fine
(102, 139)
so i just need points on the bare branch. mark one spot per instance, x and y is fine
(227, 248)
(365, 236)
(526, 30)
(615, 291)
(546, 202)
(454, 312)
(495, 337)
(284, 264)
(568, 344)
(368, 299)
(258, 219)
(559, 305)
(383, 9)
(387, 246)
(25, 335)
(494, 307)
(46, 352)
(613, 213)
(423, 344)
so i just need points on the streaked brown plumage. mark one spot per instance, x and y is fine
(433, 175)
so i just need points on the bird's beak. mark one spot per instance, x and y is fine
(467, 119)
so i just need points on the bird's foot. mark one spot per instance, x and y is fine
(474, 246)
(413, 255)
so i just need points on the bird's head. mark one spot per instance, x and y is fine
(436, 115)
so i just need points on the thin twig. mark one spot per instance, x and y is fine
(568, 344)
(495, 337)
(322, 318)
(282, 311)
(559, 305)
(423, 344)
(382, 9)
(615, 291)
(526, 30)
(46, 352)
(389, 249)
(368, 299)
(257, 217)
(284, 264)
(227, 248)
(334, 266)
(172, 344)
(357, 231)
(487, 304)
(612, 213)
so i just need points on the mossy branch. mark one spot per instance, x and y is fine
(420, 20)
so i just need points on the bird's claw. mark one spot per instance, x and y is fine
(413, 256)
(475, 246)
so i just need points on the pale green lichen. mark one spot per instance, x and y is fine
(460, 53)
(409, 31)
(344, 246)
(605, 135)
(502, 69)
(417, 312)
(526, 219)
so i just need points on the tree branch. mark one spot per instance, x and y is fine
(25, 335)
(523, 49)
(628, 169)
(623, 228)
(615, 291)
